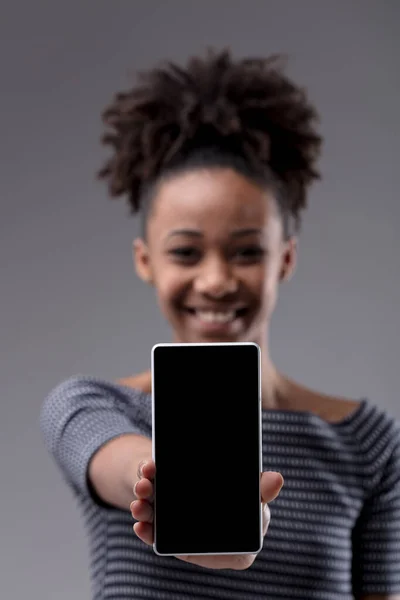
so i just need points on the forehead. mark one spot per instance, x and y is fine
(212, 200)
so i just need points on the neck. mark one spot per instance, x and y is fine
(274, 386)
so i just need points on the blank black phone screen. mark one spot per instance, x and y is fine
(207, 448)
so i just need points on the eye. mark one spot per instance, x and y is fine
(185, 254)
(249, 253)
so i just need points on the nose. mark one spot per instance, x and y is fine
(215, 279)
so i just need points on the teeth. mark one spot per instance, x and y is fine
(216, 317)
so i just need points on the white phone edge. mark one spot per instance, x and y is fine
(169, 344)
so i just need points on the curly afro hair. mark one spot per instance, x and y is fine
(216, 111)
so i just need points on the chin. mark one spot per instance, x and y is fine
(196, 338)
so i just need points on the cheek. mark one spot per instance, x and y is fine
(269, 287)
(170, 285)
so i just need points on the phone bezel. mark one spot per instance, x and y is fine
(172, 344)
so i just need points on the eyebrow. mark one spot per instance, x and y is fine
(249, 231)
(196, 233)
(191, 232)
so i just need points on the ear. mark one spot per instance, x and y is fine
(141, 260)
(289, 259)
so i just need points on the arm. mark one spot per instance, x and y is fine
(113, 468)
(98, 433)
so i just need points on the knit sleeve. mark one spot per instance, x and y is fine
(80, 415)
(376, 536)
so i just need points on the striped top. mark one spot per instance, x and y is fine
(335, 527)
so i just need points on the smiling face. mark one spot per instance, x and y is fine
(215, 254)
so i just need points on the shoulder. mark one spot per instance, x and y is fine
(81, 389)
(141, 382)
(373, 433)
(332, 409)
(370, 434)
(366, 420)
(336, 409)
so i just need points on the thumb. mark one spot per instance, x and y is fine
(271, 485)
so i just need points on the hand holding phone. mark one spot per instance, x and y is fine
(142, 511)
(203, 494)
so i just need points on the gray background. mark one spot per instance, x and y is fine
(70, 302)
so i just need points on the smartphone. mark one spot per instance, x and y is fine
(207, 447)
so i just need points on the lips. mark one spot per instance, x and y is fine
(216, 316)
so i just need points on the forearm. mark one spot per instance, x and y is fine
(113, 469)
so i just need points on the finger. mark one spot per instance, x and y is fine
(143, 489)
(142, 511)
(271, 485)
(146, 469)
(266, 518)
(238, 562)
(144, 531)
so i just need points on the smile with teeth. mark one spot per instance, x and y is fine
(211, 316)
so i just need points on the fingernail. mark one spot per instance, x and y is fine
(140, 468)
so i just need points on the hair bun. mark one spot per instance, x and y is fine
(213, 99)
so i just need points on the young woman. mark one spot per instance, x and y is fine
(218, 157)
